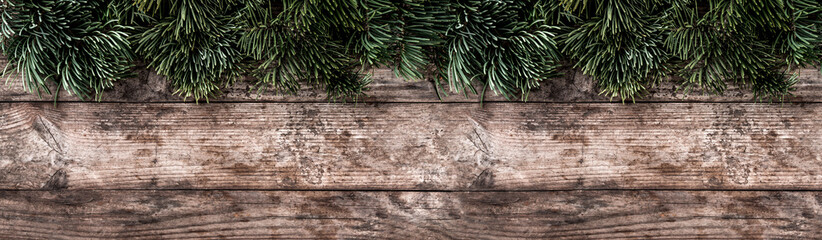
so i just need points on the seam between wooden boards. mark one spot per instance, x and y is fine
(449, 102)
(409, 190)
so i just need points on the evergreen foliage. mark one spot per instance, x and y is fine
(507, 46)
(501, 44)
(74, 45)
(401, 34)
(301, 40)
(192, 42)
(618, 42)
(733, 40)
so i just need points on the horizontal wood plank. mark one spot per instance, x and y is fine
(573, 86)
(460, 146)
(410, 215)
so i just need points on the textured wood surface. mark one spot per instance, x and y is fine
(572, 87)
(501, 146)
(411, 215)
(567, 165)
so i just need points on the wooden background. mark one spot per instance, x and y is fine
(568, 164)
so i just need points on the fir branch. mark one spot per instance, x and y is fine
(71, 44)
(800, 44)
(295, 42)
(729, 42)
(508, 46)
(619, 44)
(402, 34)
(193, 43)
(493, 42)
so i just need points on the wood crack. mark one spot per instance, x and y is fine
(43, 128)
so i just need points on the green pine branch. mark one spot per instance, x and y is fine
(732, 41)
(296, 41)
(619, 44)
(191, 42)
(401, 34)
(70, 44)
(507, 46)
(495, 43)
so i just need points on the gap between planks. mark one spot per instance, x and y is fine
(408, 190)
(771, 103)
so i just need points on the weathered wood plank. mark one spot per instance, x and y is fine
(572, 87)
(411, 215)
(502, 146)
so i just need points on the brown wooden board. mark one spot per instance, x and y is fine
(411, 215)
(572, 87)
(458, 146)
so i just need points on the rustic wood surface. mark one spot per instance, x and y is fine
(410, 215)
(572, 87)
(570, 164)
(502, 146)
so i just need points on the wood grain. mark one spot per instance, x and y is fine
(572, 87)
(410, 215)
(459, 146)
